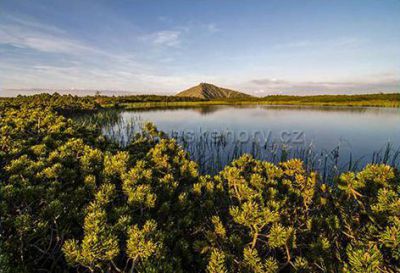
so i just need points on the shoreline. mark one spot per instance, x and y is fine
(143, 105)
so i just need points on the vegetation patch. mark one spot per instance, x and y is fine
(71, 201)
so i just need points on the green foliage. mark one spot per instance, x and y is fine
(65, 104)
(216, 263)
(362, 259)
(139, 246)
(72, 202)
(282, 216)
(4, 262)
(99, 245)
(44, 162)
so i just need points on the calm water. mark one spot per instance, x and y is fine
(334, 136)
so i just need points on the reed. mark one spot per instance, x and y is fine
(214, 150)
(376, 100)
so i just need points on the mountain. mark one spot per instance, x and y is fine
(210, 91)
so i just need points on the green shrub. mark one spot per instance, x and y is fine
(72, 202)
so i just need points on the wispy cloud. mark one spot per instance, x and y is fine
(41, 42)
(340, 42)
(295, 44)
(385, 82)
(347, 42)
(32, 35)
(131, 46)
(169, 38)
(54, 58)
(175, 37)
(212, 28)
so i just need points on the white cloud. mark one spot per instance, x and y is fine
(347, 42)
(212, 28)
(44, 40)
(42, 43)
(72, 63)
(385, 82)
(29, 34)
(340, 42)
(170, 38)
(295, 44)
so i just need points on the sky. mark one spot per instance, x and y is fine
(161, 47)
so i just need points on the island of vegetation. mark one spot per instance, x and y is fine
(71, 201)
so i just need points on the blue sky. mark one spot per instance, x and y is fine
(261, 47)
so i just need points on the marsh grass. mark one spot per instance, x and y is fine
(213, 150)
(367, 100)
(98, 119)
(158, 105)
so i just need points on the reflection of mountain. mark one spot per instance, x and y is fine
(208, 109)
(203, 109)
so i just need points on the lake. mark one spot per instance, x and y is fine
(326, 138)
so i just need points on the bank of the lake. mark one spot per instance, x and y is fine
(338, 138)
(368, 100)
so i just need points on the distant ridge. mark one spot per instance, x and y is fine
(13, 92)
(210, 91)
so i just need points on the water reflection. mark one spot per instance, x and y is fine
(329, 139)
(207, 109)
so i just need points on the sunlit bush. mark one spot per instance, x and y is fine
(72, 202)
